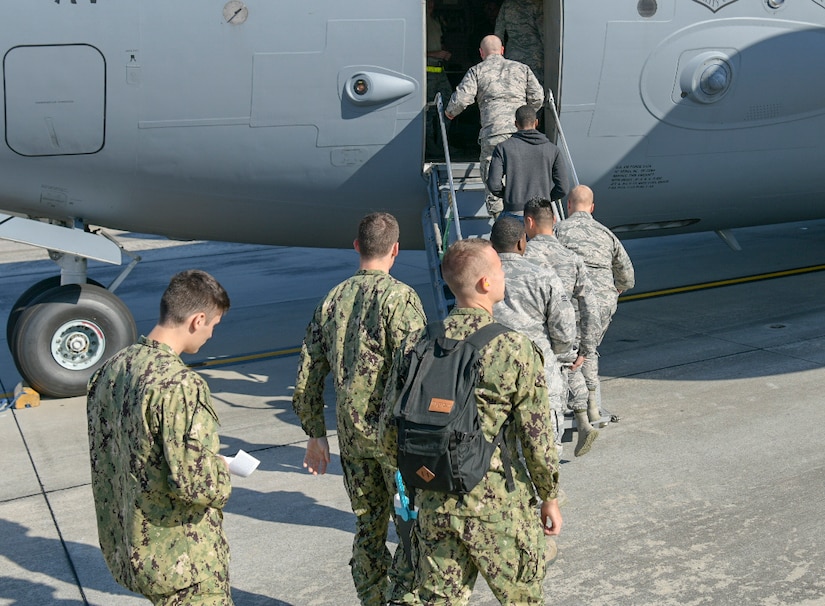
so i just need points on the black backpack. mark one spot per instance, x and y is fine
(441, 445)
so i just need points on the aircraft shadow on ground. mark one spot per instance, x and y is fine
(277, 397)
(246, 598)
(288, 507)
(30, 552)
(20, 592)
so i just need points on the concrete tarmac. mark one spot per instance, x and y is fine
(708, 491)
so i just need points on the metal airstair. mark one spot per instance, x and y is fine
(455, 211)
(456, 207)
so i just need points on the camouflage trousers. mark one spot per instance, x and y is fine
(557, 393)
(212, 591)
(370, 487)
(508, 551)
(494, 204)
(576, 387)
(590, 368)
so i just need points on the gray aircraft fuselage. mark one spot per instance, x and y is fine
(285, 122)
(168, 118)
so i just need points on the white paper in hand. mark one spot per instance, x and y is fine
(242, 464)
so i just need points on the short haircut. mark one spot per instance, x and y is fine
(580, 197)
(525, 116)
(464, 264)
(377, 233)
(506, 233)
(540, 210)
(190, 292)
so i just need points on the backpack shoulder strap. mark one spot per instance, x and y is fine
(479, 339)
(435, 330)
(500, 442)
(485, 334)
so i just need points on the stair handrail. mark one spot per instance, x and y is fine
(564, 148)
(453, 207)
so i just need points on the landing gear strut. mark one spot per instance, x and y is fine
(62, 329)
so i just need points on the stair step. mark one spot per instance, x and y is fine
(463, 185)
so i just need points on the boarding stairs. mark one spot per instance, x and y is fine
(456, 207)
(456, 210)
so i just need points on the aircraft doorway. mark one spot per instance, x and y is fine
(463, 24)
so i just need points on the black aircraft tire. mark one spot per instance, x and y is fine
(29, 295)
(66, 334)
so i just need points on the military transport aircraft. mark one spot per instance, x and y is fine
(280, 122)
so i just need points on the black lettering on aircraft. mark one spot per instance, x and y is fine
(75, 1)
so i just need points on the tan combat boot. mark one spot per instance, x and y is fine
(587, 435)
(593, 413)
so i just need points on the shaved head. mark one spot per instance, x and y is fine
(580, 198)
(491, 45)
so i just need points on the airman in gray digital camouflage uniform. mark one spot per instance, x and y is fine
(608, 266)
(535, 304)
(520, 25)
(544, 248)
(489, 530)
(354, 333)
(500, 86)
(158, 482)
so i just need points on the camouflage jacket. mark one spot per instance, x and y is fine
(520, 25)
(511, 382)
(500, 86)
(536, 304)
(354, 332)
(159, 485)
(608, 264)
(547, 250)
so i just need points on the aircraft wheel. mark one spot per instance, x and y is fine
(29, 295)
(66, 333)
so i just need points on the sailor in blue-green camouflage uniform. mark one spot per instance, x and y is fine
(158, 481)
(544, 248)
(489, 530)
(354, 333)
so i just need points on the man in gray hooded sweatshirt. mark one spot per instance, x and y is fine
(530, 164)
